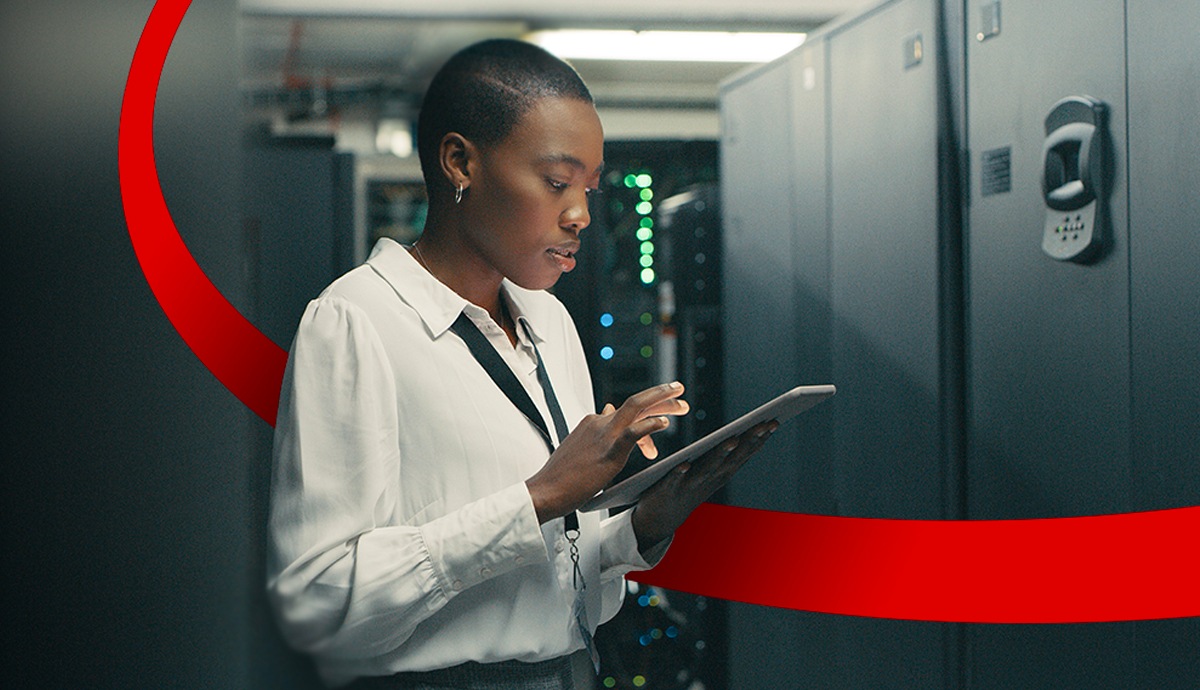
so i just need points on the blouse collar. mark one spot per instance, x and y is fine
(438, 305)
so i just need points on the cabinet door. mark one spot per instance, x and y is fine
(1164, 239)
(887, 314)
(760, 332)
(1048, 341)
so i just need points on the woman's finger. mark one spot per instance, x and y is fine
(720, 463)
(634, 408)
(633, 433)
(674, 407)
(646, 445)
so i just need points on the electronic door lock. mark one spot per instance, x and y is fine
(1075, 179)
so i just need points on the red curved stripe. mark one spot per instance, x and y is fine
(1133, 566)
(237, 353)
(1105, 568)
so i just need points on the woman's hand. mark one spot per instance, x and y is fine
(592, 454)
(664, 507)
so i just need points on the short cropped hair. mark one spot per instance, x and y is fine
(482, 92)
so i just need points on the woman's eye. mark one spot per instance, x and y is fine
(557, 186)
(593, 191)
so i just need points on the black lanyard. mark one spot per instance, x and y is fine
(494, 365)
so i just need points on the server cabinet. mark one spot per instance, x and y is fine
(761, 324)
(1048, 342)
(1078, 405)
(858, 262)
(776, 310)
(1164, 241)
(889, 321)
(299, 227)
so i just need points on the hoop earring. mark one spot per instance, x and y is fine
(458, 194)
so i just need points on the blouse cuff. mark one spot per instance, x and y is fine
(619, 549)
(481, 540)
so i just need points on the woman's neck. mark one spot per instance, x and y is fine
(459, 268)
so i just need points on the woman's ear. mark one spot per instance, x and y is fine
(456, 154)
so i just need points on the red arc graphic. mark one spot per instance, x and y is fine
(1133, 566)
(237, 353)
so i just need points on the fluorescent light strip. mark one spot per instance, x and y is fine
(675, 46)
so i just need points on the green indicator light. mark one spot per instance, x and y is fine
(648, 352)
(647, 275)
(647, 248)
(646, 261)
(644, 180)
(646, 318)
(646, 222)
(631, 181)
(646, 194)
(610, 682)
(644, 234)
(644, 208)
(639, 681)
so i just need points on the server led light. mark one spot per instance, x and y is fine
(606, 319)
(646, 194)
(646, 261)
(606, 352)
(646, 223)
(647, 275)
(644, 180)
(644, 208)
(631, 180)
(646, 248)
(644, 234)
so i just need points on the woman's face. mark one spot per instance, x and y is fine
(528, 197)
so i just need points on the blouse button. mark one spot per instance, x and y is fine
(520, 560)
(485, 572)
(457, 585)
(559, 546)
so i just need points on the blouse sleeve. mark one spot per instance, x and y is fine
(344, 580)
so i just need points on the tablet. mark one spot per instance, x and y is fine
(780, 409)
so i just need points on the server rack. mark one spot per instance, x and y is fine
(1066, 358)
(979, 376)
(858, 257)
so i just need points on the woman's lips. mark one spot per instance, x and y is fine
(565, 257)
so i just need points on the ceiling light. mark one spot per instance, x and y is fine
(679, 46)
(395, 137)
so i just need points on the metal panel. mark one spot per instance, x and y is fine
(761, 323)
(756, 171)
(887, 318)
(294, 230)
(810, 213)
(1048, 341)
(884, 264)
(1164, 239)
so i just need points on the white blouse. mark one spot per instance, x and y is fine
(402, 536)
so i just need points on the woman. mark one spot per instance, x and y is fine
(423, 529)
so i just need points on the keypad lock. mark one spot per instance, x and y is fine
(1075, 177)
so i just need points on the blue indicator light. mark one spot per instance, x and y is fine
(606, 320)
(606, 352)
